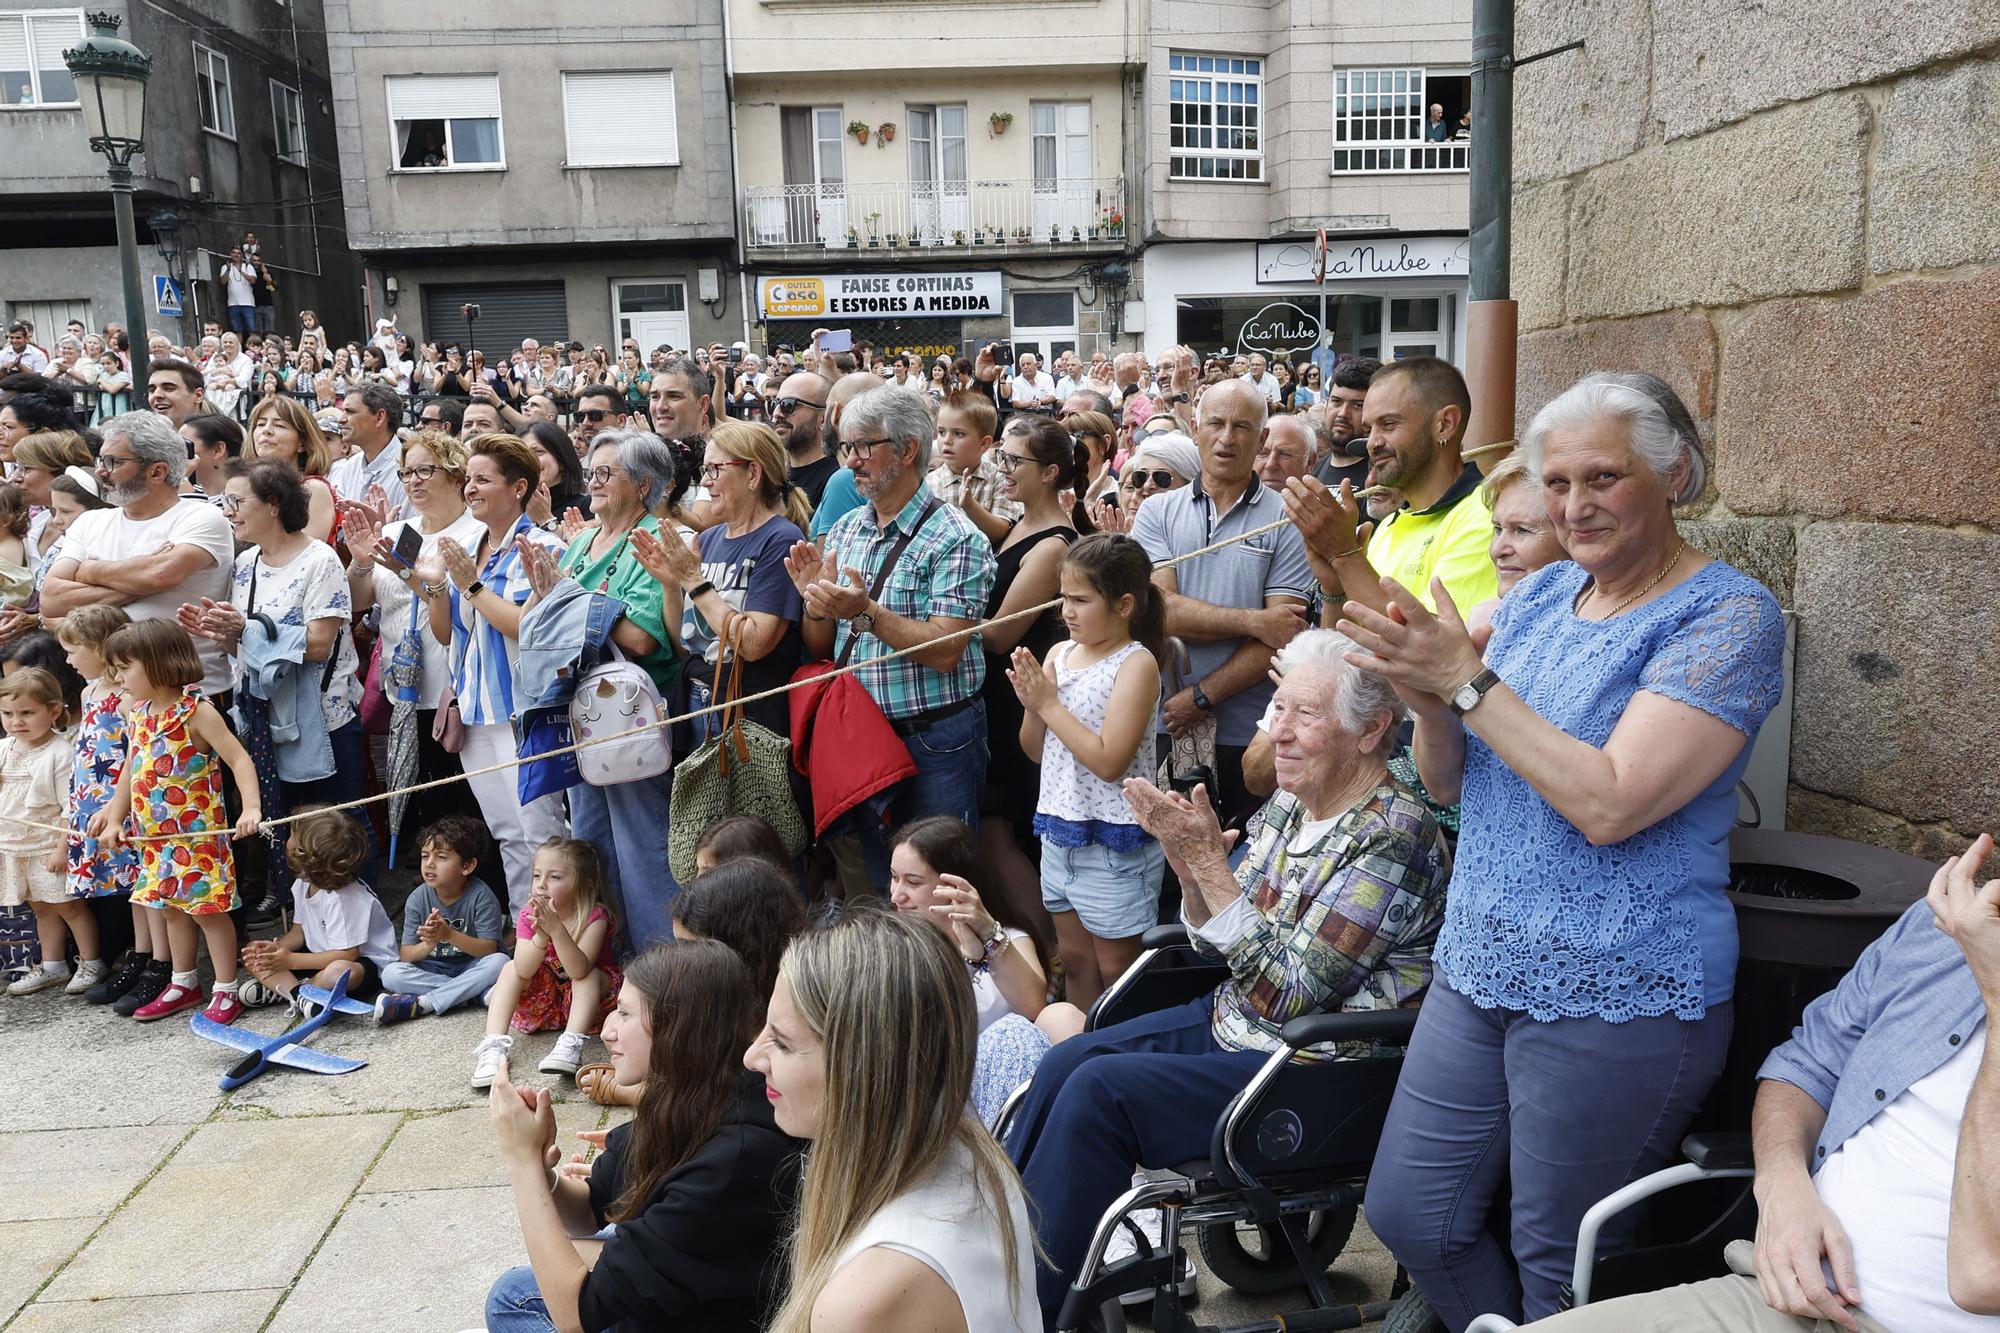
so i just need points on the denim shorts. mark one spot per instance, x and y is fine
(1115, 894)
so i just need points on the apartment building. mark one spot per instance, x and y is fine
(1270, 122)
(239, 137)
(565, 174)
(935, 180)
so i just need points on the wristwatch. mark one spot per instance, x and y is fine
(473, 589)
(1467, 696)
(863, 622)
(1201, 699)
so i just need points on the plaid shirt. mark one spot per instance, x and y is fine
(947, 571)
(982, 484)
(1346, 923)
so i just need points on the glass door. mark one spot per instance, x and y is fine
(830, 175)
(938, 189)
(1062, 186)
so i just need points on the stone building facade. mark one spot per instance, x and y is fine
(1792, 213)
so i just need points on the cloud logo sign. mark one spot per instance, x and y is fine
(1280, 328)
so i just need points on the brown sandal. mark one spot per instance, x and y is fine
(600, 1090)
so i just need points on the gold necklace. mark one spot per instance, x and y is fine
(1675, 559)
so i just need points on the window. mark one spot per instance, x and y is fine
(1381, 120)
(445, 122)
(288, 123)
(1214, 112)
(32, 72)
(211, 81)
(621, 119)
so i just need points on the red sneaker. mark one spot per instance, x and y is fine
(173, 1000)
(224, 1007)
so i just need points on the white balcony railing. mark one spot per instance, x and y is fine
(1400, 156)
(950, 213)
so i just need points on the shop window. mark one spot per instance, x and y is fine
(32, 72)
(444, 122)
(1214, 117)
(1414, 316)
(1382, 120)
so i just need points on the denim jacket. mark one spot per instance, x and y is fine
(275, 670)
(1906, 1008)
(563, 637)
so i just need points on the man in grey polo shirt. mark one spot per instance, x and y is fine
(1235, 607)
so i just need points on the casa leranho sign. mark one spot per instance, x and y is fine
(880, 295)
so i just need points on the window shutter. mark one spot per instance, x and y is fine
(52, 34)
(444, 97)
(13, 44)
(623, 118)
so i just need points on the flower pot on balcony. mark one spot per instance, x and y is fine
(999, 121)
(858, 130)
(853, 242)
(892, 242)
(1093, 233)
(874, 243)
(887, 131)
(1076, 235)
(958, 238)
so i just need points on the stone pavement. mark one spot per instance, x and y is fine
(134, 1195)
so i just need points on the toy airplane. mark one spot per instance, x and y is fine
(286, 1048)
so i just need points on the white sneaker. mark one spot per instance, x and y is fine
(87, 975)
(487, 1057)
(40, 978)
(1122, 1246)
(254, 994)
(565, 1055)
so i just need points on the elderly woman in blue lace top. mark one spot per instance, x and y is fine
(1581, 1008)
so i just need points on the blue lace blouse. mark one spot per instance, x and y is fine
(1537, 919)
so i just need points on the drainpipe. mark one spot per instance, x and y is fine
(736, 202)
(1491, 314)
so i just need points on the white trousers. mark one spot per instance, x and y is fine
(516, 829)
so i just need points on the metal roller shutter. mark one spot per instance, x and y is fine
(508, 312)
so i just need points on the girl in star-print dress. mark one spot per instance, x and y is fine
(99, 759)
(173, 784)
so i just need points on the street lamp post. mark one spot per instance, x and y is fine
(110, 78)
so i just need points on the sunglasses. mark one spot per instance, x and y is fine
(787, 406)
(593, 413)
(1161, 478)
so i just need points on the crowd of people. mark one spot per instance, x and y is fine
(1068, 657)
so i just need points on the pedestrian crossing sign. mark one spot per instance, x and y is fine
(166, 295)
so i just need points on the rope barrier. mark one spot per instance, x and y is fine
(267, 826)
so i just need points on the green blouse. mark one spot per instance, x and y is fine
(618, 573)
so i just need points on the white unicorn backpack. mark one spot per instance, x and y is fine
(620, 698)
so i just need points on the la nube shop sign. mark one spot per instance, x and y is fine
(880, 295)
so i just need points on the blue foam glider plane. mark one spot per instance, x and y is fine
(287, 1047)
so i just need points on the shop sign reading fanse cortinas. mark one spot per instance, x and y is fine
(947, 295)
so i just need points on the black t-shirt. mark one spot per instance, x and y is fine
(707, 1253)
(1333, 474)
(812, 477)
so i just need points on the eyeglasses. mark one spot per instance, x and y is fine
(710, 471)
(1161, 478)
(862, 449)
(107, 462)
(231, 503)
(421, 472)
(787, 406)
(1013, 461)
(599, 475)
(593, 414)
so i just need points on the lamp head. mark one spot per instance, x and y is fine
(110, 78)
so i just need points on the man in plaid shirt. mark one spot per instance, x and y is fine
(938, 586)
(1336, 906)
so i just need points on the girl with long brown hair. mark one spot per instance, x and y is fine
(689, 1198)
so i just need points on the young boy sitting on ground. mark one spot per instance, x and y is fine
(452, 926)
(339, 928)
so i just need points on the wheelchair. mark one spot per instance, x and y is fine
(1288, 1163)
(1666, 1262)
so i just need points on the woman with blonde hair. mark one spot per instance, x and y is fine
(738, 567)
(910, 1216)
(283, 430)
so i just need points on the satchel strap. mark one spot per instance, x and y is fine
(931, 505)
(731, 660)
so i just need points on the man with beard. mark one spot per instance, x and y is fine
(1347, 391)
(679, 403)
(840, 495)
(799, 415)
(944, 574)
(1415, 412)
(152, 551)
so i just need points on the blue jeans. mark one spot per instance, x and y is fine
(1142, 1093)
(339, 787)
(951, 772)
(628, 826)
(1565, 1112)
(243, 318)
(446, 989)
(515, 1304)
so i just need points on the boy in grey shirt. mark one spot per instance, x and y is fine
(452, 926)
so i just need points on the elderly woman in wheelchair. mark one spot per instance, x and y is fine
(1334, 907)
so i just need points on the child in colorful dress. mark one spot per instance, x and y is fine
(97, 761)
(34, 772)
(1089, 722)
(565, 973)
(340, 928)
(173, 784)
